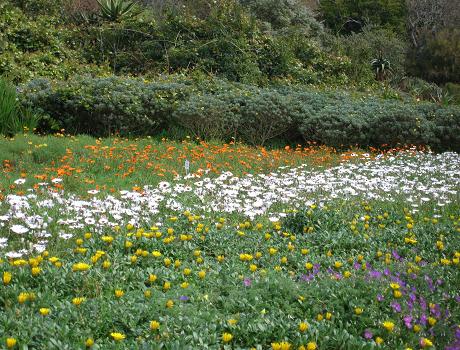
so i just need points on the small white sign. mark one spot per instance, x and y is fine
(187, 167)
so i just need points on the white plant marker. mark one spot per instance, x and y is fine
(187, 167)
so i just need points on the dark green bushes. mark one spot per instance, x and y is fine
(106, 105)
(213, 109)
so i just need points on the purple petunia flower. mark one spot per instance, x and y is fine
(184, 298)
(368, 334)
(380, 297)
(247, 282)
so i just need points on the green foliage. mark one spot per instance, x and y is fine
(8, 109)
(105, 106)
(438, 59)
(348, 16)
(209, 116)
(13, 117)
(117, 10)
(212, 109)
(32, 47)
(363, 47)
(282, 14)
(40, 7)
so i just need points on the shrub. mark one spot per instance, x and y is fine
(103, 106)
(447, 129)
(209, 116)
(339, 124)
(264, 116)
(401, 124)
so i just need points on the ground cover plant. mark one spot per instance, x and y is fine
(321, 250)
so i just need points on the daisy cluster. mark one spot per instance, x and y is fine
(416, 178)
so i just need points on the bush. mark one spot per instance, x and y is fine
(212, 108)
(209, 116)
(447, 129)
(104, 106)
(367, 45)
(348, 16)
(340, 124)
(264, 116)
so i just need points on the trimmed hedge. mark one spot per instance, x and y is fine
(216, 109)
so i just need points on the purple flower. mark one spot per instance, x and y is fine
(375, 274)
(408, 321)
(422, 303)
(423, 320)
(396, 306)
(183, 298)
(396, 255)
(368, 334)
(380, 297)
(247, 282)
(356, 266)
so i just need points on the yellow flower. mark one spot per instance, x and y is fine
(303, 326)
(106, 264)
(328, 315)
(184, 285)
(117, 336)
(89, 342)
(388, 325)
(227, 337)
(319, 317)
(107, 239)
(338, 264)
(281, 346)
(308, 266)
(232, 322)
(379, 340)
(397, 294)
(253, 267)
(166, 285)
(202, 274)
(347, 274)
(78, 301)
(154, 325)
(169, 303)
(80, 267)
(10, 342)
(44, 311)
(394, 286)
(23, 297)
(417, 328)
(358, 310)
(431, 321)
(426, 343)
(119, 293)
(148, 293)
(36, 271)
(7, 277)
(311, 346)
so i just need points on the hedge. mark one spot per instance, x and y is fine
(220, 110)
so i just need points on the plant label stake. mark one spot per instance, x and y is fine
(187, 167)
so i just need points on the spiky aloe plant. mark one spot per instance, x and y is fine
(380, 66)
(117, 10)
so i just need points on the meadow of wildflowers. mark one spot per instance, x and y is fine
(112, 244)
